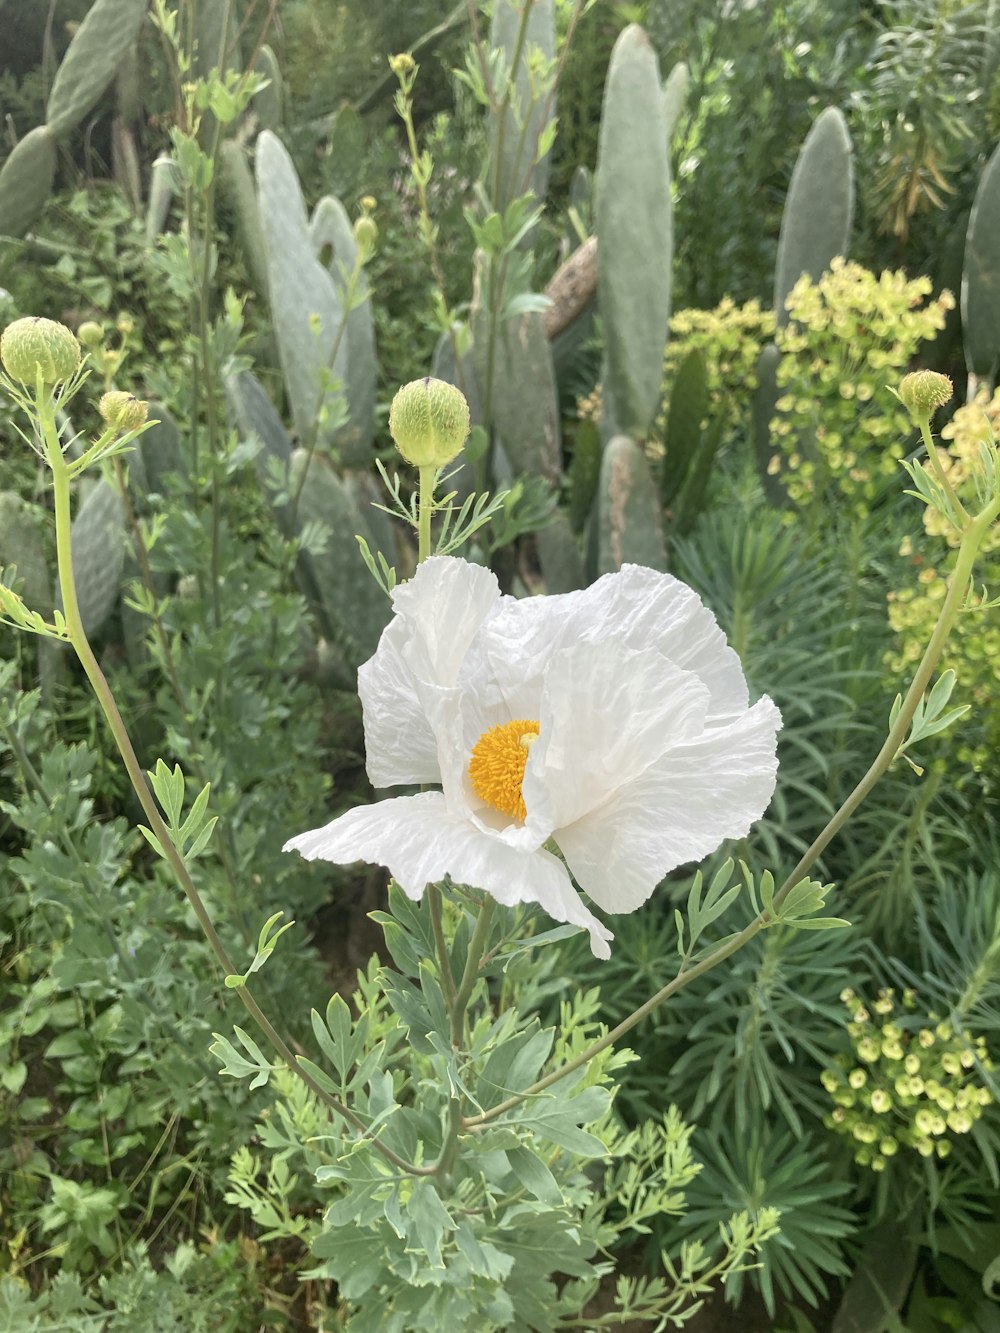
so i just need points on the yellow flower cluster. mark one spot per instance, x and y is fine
(973, 649)
(838, 431)
(730, 338)
(903, 1086)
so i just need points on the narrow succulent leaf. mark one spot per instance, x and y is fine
(525, 394)
(634, 232)
(981, 275)
(333, 241)
(674, 96)
(631, 529)
(305, 308)
(819, 209)
(685, 416)
(268, 102)
(559, 555)
(26, 181)
(236, 180)
(108, 30)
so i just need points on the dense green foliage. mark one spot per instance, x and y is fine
(326, 229)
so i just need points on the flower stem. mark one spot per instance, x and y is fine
(958, 586)
(425, 507)
(101, 688)
(437, 926)
(960, 512)
(474, 958)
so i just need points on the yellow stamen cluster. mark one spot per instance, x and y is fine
(496, 766)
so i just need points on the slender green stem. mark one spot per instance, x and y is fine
(954, 599)
(626, 1025)
(470, 973)
(425, 507)
(474, 958)
(437, 925)
(99, 684)
(939, 472)
(958, 586)
(427, 228)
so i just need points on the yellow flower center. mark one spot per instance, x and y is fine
(496, 768)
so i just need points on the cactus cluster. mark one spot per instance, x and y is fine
(906, 1083)
(100, 46)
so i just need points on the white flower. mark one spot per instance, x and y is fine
(612, 722)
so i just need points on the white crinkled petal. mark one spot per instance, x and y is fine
(400, 746)
(437, 615)
(445, 604)
(420, 842)
(608, 712)
(637, 607)
(679, 810)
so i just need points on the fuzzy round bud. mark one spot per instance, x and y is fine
(923, 392)
(402, 64)
(429, 422)
(33, 345)
(121, 411)
(90, 333)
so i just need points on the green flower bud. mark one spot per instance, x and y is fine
(429, 422)
(121, 411)
(90, 333)
(924, 1120)
(923, 392)
(366, 234)
(33, 344)
(857, 1078)
(402, 64)
(881, 1101)
(888, 1147)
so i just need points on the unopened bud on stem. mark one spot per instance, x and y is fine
(429, 422)
(33, 345)
(121, 411)
(923, 392)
